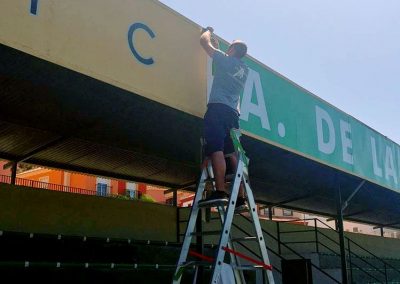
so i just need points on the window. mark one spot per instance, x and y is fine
(131, 189)
(101, 189)
(286, 212)
(265, 211)
(355, 229)
(102, 186)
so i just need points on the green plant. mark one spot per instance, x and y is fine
(147, 198)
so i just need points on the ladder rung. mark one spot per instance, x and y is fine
(213, 204)
(206, 233)
(244, 239)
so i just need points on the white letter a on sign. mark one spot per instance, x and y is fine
(247, 107)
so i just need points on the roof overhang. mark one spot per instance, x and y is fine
(55, 117)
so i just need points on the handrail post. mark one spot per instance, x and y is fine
(386, 276)
(350, 264)
(339, 207)
(270, 213)
(316, 235)
(278, 234)
(13, 173)
(178, 225)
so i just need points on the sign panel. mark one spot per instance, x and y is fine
(137, 45)
(144, 47)
(280, 112)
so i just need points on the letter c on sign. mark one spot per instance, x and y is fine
(132, 29)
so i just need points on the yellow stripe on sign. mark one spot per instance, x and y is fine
(138, 45)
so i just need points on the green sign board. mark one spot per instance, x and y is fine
(278, 111)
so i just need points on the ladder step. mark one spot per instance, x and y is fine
(244, 239)
(212, 203)
(206, 233)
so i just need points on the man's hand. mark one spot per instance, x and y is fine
(207, 41)
(207, 29)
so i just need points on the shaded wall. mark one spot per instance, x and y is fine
(42, 211)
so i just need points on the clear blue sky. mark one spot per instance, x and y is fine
(345, 51)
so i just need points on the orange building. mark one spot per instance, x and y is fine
(6, 172)
(87, 184)
(54, 179)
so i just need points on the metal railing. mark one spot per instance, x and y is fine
(58, 187)
(323, 240)
(278, 253)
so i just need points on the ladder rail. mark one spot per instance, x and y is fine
(239, 277)
(235, 262)
(190, 227)
(227, 224)
(257, 225)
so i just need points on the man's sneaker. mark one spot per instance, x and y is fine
(216, 198)
(241, 205)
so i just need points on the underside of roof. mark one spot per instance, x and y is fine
(55, 117)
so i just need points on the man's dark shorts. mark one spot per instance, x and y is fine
(218, 121)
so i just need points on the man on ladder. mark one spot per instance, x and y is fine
(222, 137)
(223, 111)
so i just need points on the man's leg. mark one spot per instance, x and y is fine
(215, 134)
(219, 167)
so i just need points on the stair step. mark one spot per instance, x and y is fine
(206, 233)
(244, 239)
(247, 267)
(198, 263)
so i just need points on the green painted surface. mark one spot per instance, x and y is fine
(279, 111)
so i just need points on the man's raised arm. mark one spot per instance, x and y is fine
(209, 43)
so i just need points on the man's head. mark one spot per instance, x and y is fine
(237, 49)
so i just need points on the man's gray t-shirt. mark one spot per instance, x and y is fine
(229, 80)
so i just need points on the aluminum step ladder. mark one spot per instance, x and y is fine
(227, 213)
